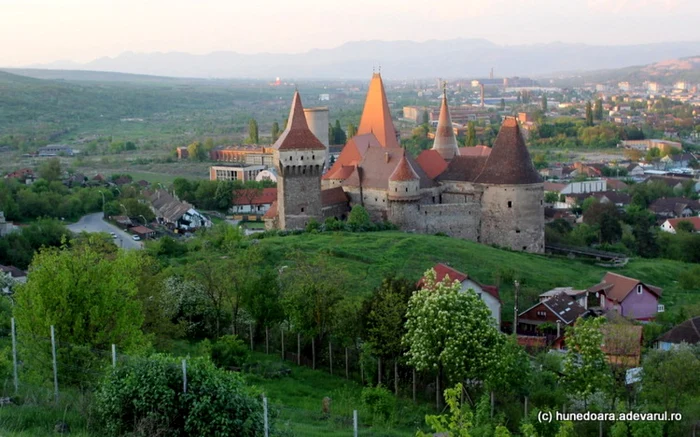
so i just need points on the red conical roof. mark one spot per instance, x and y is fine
(403, 172)
(297, 134)
(376, 118)
(445, 141)
(509, 162)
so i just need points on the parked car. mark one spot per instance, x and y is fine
(113, 234)
(136, 238)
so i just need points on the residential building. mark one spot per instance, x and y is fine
(253, 201)
(143, 232)
(629, 297)
(578, 296)
(671, 225)
(176, 215)
(687, 332)
(548, 317)
(6, 227)
(55, 150)
(240, 172)
(663, 145)
(487, 293)
(673, 207)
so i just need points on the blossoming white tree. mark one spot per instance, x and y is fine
(450, 332)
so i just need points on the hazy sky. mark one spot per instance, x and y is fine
(40, 31)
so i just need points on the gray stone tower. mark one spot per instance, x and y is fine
(512, 203)
(299, 158)
(403, 193)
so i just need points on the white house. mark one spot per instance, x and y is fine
(487, 293)
(670, 225)
(253, 201)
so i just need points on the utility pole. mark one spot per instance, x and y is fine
(515, 308)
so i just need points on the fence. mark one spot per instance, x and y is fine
(60, 367)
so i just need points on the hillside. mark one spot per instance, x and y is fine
(367, 257)
(665, 72)
(400, 59)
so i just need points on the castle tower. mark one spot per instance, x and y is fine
(445, 141)
(299, 158)
(376, 118)
(513, 194)
(403, 194)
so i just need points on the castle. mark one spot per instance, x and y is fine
(488, 195)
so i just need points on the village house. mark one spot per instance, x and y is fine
(14, 275)
(687, 332)
(578, 296)
(253, 201)
(549, 316)
(673, 207)
(177, 215)
(23, 175)
(630, 297)
(143, 232)
(671, 225)
(487, 293)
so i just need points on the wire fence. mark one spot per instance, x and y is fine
(50, 372)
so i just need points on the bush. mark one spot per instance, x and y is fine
(229, 351)
(379, 401)
(146, 398)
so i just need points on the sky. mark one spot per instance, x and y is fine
(43, 31)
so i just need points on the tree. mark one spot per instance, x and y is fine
(88, 297)
(426, 117)
(598, 111)
(585, 367)
(275, 131)
(544, 102)
(455, 424)
(551, 197)
(51, 170)
(208, 145)
(253, 137)
(450, 331)
(196, 151)
(339, 136)
(470, 139)
(503, 104)
(359, 217)
(352, 130)
(633, 155)
(685, 226)
(589, 114)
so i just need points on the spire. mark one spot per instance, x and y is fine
(376, 117)
(297, 134)
(445, 141)
(509, 162)
(404, 171)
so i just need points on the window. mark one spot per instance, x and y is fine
(302, 209)
(407, 189)
(510, 204)
(639, 289)
(660, 308)
(517, 231)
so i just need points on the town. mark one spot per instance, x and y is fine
(501, 249)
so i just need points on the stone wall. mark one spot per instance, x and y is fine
(299, 198)
(455, 220)
(513, 216)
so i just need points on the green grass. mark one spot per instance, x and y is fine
(368, 257)
(153, 178)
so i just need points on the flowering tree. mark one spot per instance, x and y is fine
(450, 331)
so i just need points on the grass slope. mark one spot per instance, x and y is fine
(367, 257)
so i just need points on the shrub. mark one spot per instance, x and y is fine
(229, 351)
(379, 401)
(146, 398)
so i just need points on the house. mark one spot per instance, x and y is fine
(487, 293)
(13, 275)
(675, 183)
(635, 170)
(122, 220)
(176, 214)
(253, 201)
(24, 175)
(630, 297)
(548, 316)
(672, 207)
(687, 332)
(622, 344)
(56, 150)
(615, 184)
(679, 160)
(670, 225)
(143, 232)
(578, 296)
(6, 227)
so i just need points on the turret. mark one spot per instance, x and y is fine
(445, 141)
(404, 182)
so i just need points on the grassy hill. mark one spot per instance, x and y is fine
(367, 257)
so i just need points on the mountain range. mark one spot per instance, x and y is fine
(398, 59)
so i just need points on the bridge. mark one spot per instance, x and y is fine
(613, 258)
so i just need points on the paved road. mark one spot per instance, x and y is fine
(94, 223)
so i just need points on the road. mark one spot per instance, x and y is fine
(94, 223)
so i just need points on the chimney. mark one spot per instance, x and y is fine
(386, 156)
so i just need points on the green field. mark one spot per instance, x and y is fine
(368, 257)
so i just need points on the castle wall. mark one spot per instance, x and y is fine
(455, 220)
(298, 187)
(339, 211)
(513, 216)
(376, 203)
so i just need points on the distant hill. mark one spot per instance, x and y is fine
(399, 59)
(86, 75)
(665, 72)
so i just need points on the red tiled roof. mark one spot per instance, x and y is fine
(353, 152)
(617, 287)
(297, 134)
(272, 212)
(403, 171)
(376, 117)
(264, 197)
(333, 196)
(142, 230)
(377, 166)
(340, 173)
(20, 173)
(552, 186)
(442, 271)
(694, 220)
(615, 184)
(432, 163)
(688, 332)
(509, 162)
(475, 151)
